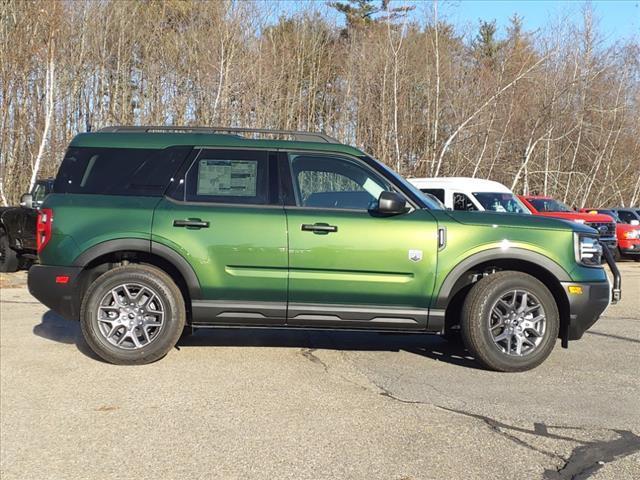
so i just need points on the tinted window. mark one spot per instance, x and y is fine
(626, 216)
(39, 192)
(501, 202)
(118, 171)
(329, 182)
(549, 205)
(462, 202)
(436, 192)
(229, 176)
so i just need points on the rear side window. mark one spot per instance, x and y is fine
(436, 192)
(229, 176)
(118, 171)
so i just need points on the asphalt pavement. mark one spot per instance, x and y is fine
(271, 404)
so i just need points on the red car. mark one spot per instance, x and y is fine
(628, 234)
(549, 207)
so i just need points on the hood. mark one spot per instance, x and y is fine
(572, 216)
(514, 220)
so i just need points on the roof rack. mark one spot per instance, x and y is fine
(296, 135)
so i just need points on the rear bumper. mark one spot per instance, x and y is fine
(586, 308)
(62, 298)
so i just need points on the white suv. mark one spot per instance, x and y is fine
(464, 193)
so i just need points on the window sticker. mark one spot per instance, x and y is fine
(236, 178)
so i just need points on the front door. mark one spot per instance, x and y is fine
(227, 222)
(347, 267)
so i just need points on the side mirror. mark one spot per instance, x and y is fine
(390, 203)
(635, 223)
(26, 201)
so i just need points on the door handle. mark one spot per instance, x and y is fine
(319, 228)
(191, 223)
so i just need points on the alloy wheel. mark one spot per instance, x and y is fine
(518, 323)
(130, 316)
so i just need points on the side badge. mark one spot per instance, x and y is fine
(415, 255)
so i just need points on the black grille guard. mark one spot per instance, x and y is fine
(616, 290)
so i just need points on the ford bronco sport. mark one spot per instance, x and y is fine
(150, 230)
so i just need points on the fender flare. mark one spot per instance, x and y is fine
(513, 253)
(145, 246)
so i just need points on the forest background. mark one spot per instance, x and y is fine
(553, 111)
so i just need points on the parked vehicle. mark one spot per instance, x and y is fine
(628, 215)
(471, 194)
(149, 230)
(627, 233)
(18, 229)
(550, 207)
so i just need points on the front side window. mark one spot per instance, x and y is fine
(229, 176)
(463, 202)
(501, 202)
(330, 182)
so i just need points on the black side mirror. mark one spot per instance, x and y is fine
(390, 203)
(26, 200)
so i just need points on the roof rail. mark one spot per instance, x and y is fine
(296, 135)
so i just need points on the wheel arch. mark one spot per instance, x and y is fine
(101, 257)
(462, 277)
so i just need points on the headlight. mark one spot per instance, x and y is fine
(631, 234)
(588, 250)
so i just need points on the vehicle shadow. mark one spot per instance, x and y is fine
(53, 327)
(429, 346)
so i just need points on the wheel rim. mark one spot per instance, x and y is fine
(518, 323)
(131, 316)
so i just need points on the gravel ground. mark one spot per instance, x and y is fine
(290, 404)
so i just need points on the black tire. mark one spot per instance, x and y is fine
(476, 320)
(8, 257)
(170, 302)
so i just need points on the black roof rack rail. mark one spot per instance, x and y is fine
(296, 135)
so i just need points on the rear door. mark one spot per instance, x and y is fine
(348, 267)
(226, 220)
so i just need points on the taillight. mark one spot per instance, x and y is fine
(43, 228)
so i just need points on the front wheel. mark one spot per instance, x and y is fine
(132, 315)
(510, 322)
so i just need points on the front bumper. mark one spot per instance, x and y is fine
(629, 247)
(48, 285)
(586, 307)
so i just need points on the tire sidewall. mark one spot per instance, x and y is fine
(171, 329)
(494, 356)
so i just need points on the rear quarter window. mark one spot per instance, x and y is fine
(118, 171)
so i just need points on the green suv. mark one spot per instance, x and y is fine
(151, 231)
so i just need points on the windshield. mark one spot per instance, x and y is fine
(501, 202)
(549, 205)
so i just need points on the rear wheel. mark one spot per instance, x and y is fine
(132, 315)
(8, 257)
(510, 322)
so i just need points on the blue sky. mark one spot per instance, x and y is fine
(617, 19)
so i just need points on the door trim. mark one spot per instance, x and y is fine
(367, 316)
(205, 312)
